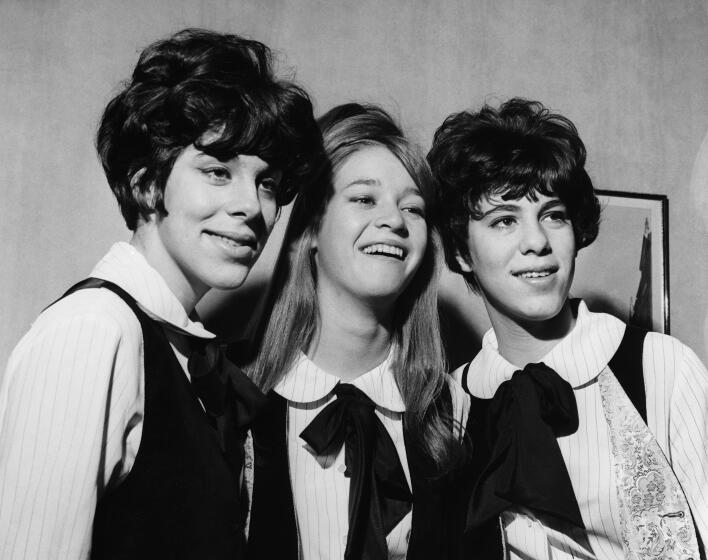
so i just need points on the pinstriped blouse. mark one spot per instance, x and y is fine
(320, 489)
(676, 385)
(53, 406)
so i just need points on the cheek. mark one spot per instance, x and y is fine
(323, 236)
(571, 268)
(419, 236)
(487, 257)
(565, 247)
(340, 227)
(186, 211)
(270, 213)
(326, 243)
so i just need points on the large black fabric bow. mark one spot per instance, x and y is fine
(379, 496)
(524, 465)
(231, 400)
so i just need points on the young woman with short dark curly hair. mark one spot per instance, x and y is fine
(120, 427)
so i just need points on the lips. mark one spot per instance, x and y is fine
(235, 239)
(385, 250)
(536, 272)
(242, 247)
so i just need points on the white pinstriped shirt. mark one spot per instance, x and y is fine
(320, 489)
(53, 406)
(676, 386)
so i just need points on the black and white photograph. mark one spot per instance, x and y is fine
(374, 280)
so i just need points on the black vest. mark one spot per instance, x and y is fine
(273, 530)
(181, 497)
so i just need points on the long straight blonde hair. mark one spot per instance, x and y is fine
(291, 313)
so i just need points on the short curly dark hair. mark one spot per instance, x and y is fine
(192, 83)
(516, 151)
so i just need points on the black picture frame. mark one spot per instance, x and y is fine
(626, 270)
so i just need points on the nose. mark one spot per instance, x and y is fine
(534, 239)
(243, 200)
(392, 218)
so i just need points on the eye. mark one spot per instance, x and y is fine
(364, 200)
(503, 222)
(218, 175)
(415, 210)
(558, 215)
(268, 185)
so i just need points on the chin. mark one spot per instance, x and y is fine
(542, 313)
(227, 280)
(230, 284)
(384, 295)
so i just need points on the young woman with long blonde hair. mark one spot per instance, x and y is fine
(352, 457)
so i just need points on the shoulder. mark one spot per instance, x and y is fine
(459, 373)
(94, 306)
(463, 372)
(460, 400)
(76, 351)
(663, 353)
(86, 322)
(673, 371)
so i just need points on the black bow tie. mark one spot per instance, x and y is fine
(524, 465)
(379, 496)
(231, 400)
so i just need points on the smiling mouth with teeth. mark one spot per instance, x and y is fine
(534, 273)
(385, 250)
(231, 241)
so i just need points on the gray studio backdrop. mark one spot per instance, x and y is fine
(631, 74)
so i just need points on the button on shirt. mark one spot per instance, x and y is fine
(677, 408)
(320, 488)
(53, 406)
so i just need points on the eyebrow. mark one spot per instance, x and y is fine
(515, 207)
(268, 168)
(500, 208)
(370, 182)
(552, 202)
(363, 181)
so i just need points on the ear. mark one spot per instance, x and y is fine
(145, 197)
(135, 179)
(464, 263)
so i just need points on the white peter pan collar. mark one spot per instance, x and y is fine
(125, 266)
(579, 358)
(307, 383)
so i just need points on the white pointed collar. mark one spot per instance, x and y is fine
(125, 266)
(579, 358)
(306, 382)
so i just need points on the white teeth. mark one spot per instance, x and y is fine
(226, 240)
(381, 249)
(535, 274)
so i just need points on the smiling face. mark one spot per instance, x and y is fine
(522, 253)
(373, 234)
(218, 217)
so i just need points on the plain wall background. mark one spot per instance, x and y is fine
(631, 74)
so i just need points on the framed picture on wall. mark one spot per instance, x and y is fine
(625, 272)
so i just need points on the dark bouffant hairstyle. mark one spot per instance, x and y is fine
(518, 150)
(197, 82)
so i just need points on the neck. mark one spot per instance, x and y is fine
(522, 343)
(147, 241)
(351, 339)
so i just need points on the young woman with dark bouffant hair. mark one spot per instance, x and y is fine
(362, 428)
(121, 428)
(589, 435)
